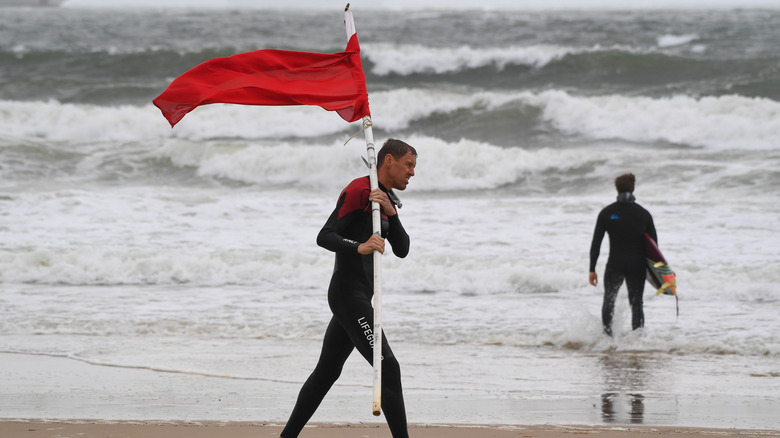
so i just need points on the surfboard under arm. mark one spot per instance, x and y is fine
(659, 274)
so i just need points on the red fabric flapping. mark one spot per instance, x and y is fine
(334, 82)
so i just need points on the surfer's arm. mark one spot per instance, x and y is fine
(595, 244)
(595, 248)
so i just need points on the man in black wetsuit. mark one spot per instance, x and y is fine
(626, 222)
(349, 233)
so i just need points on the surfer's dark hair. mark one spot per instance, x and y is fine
(625, 183)
(396, 148)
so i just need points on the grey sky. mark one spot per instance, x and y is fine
(417, 4)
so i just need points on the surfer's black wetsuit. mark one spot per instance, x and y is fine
(349, 296)
(626, 222)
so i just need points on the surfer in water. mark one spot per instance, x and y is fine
(626, 222)
(348, 232)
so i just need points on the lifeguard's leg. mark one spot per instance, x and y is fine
(357, 318)
(336, 348)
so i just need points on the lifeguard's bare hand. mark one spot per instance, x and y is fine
(377, 195)
(593, 279)
(374, 243)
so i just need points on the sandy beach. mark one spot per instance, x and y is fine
(90, 429)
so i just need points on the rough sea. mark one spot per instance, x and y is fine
(173, 274)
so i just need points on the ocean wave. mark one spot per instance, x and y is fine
(404, 60)
(93, 265)
(102, 76)
(712, 122)
(161, 60)
(723, 122)
(479, 141)
(408, 59)
(54, 121)
(463, 165)
(115, 76)
(670, 40)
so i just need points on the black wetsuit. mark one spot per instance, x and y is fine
(626, 222)
(349, 296)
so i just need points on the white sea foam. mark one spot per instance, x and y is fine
(409, 59)
(83, 123)
(723, 122)
(282, 163)
(470, 252)
(79, 123)
(463, 165)
(676, 40)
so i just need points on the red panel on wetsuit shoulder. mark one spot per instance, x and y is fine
(355, 196)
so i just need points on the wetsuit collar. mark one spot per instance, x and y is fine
(626, 197)
(391, 194)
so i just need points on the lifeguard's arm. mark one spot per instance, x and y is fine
(399, 239)
(331, 236)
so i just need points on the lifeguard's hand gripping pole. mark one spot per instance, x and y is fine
(377, 229)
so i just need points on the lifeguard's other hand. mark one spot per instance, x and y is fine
(374, 243)
(380, 197)
(593, 279)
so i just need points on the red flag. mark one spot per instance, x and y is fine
(273, 77)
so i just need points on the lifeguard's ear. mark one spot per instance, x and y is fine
(388, 160)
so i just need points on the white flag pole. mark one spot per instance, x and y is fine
(376, 222)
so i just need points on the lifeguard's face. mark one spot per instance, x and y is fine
(400, 171)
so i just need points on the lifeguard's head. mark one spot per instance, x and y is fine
(396, 148)
(395, 164)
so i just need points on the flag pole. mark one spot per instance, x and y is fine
(376, 222)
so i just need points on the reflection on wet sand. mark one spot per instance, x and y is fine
(635, 402)
(624, 383)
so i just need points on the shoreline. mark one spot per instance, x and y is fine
(41, 428)
(66, 390)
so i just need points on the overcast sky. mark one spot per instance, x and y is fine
(417, 4)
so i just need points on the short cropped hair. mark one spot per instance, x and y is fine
(394, 147)
(625, 183)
